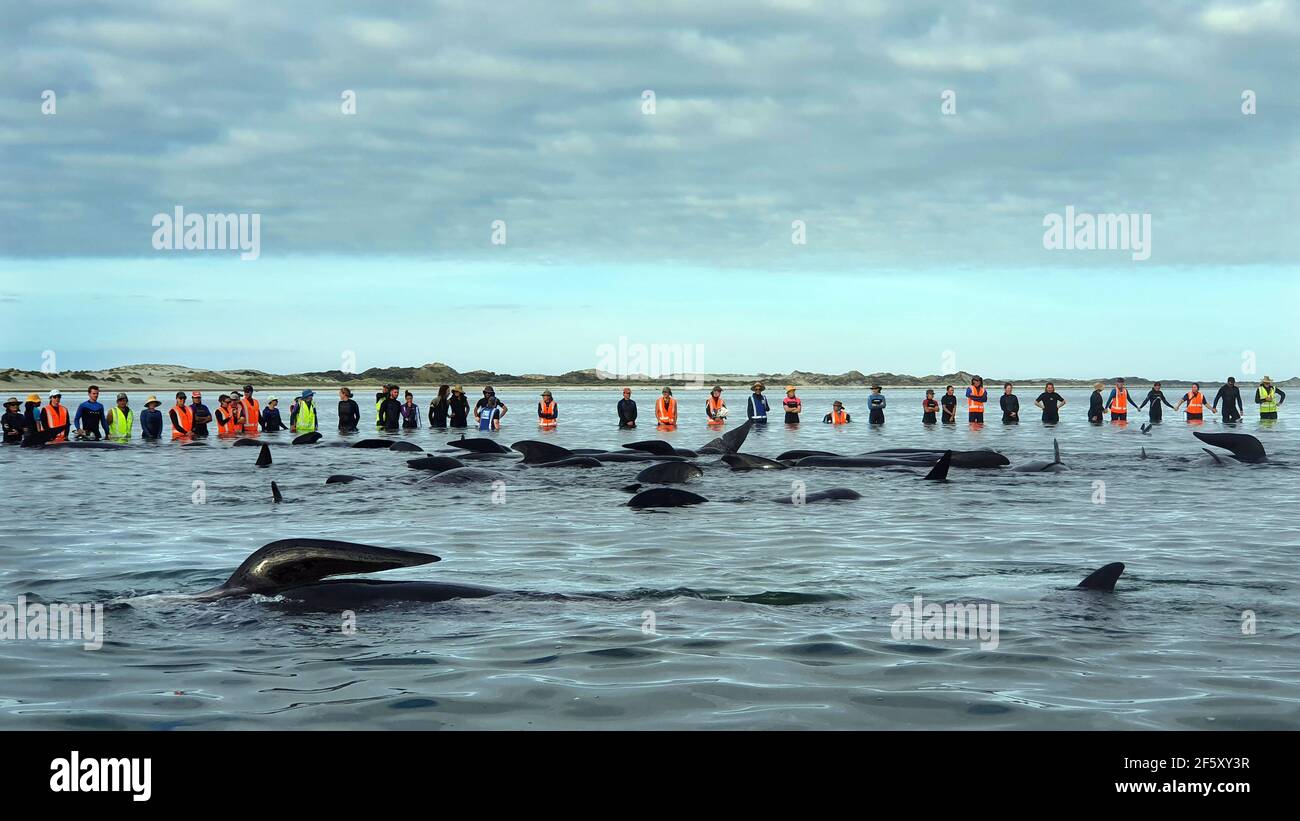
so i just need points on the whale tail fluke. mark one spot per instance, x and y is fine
(1056, 452)
(939, 473)
(264, 456)
(1146, 427)
(292, 562)
(1103, 578)
(275, 493)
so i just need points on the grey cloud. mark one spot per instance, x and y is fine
(766, 113)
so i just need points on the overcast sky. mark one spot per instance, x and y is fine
(924, 229)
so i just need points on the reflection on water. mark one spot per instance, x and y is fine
(740, 613)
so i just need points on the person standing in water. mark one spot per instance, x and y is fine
(201, 415)
(757, 407)
(303, 418)
(1118, 401)
(1230, 395)
(151, 419)
(222, 417)
(410, 412)
(490, 393)
(489, 414)
(949, 403)
(626, 410)
(13, 422)
(439, 407)
(714, 407)
(1155, 396)
(548, 411)
(1050, 402)
(1010, 405)
(182, 418)
(793, 406)
(458, 407)
(269, 416)
(1268, 398)
(876, 406)
(89, 419)
(929, 408)
(1096, 405)
(976, 396)
(1195, 401)
(837, 416)
(666, 410)
(380, 396)
(349, 412)
(390, 410)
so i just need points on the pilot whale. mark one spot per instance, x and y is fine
(297, 569)
(1244, 447)
(480, 444)
(1054, 466)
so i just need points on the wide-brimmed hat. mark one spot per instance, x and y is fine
(1268, 380)
(307, 394)
(152, 400)
(546, 393)
(757, 386)
(13, 400)
(789, 388)
(458, 389)
(31, 397)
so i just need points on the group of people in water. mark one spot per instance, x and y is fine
(240, 414)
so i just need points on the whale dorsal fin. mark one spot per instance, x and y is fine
(939, 472)
(1144, 453)
(275, 493)
(291, 562)
(1213, 456)
(1103, 578)
(1056, 452)
(264, 456)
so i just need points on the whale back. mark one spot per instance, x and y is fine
(1244, 447)
(291, 562)
(537, 453)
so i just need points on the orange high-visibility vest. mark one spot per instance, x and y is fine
(839, 417)
(1120, 403)
(1195, 402)
(666, 410)
(56, 418)
(186, 418)
(252, 415)
(714, 405)
(228, 427)
(546, 407)
(974, 406)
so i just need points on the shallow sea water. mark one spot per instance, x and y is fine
(1203, 544)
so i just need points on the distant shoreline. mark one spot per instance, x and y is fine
(167, 379)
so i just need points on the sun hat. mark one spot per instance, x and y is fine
(1268, 380)
(13, 400)
(308, 394)
(152, 400)
(55, 392)
(31, 397)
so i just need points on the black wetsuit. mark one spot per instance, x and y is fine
(13, 423)
(929, 407)
(1232, 407)
(791, 417)
(949, 409)
(1050, 402)
(626, 412)
(390, 414)
(438, 412)
(270, 420)
(199, 409)
(876, 406)
(1010, 405)
(1096, 407)
(1155, 397)
(459, 407)
(349, 416)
